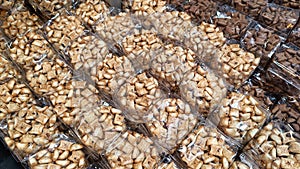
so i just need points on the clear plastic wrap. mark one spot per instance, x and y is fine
(143, 7)
(294, 35)
(203, 90)
(288, 3)
(289, 56)
(7, 71)
(13, 96)
(19, 22)
(49, 8)
(265, 93)
(133, 150)
(240, 117)
(63, 28)
(287, 112)
(252, 8)
(141, 46)
(260, 41)
(243, 161)
(86, 52)
(199, 10)
(237, 64)
(284, 79)
(206, 147)
(275, 146)
(63, 153)
(92, 11)
(233, 23)
(170, 66)
(280, 18)
(137, 95)
(29, 129)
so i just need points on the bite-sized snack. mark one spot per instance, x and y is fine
(260, 41)
(200, 10)
(203, 90)
(243, 161)
(133, 150)
(30, 51)
(30, 129)
(170, 66)
(7, 71)
(92, 11)
(113, 72)
(285, 112)
(294, 36)
(19, 22)
(98, 126)
(206, 147)
(143, 7)
(282, 78)
(240, 117)
(137, 95)
(281, 19)
(170, 120)
(6, 4)
(237, 64)
(288, 55)
(13, 97)
(275, 146)
(141, 46)
(265, 93)
(86, 52)
(252, 8)
(214, 34)
(61, 154)
(114, 28)
(50, 8)
(231, 22)
(63, 28)
(288, 3)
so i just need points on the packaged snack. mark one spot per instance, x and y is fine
(251, 8)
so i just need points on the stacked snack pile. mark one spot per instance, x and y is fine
(155, 84)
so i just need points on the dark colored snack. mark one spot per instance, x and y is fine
(231, 22)
(281, 19)
(284, 79)
(289, 56)
(294, 36)
(288, 3)
(261, 42)
(200, 10)
(263, 92)
(252, 8)
(286, 112)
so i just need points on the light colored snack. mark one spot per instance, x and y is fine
(63, 28)
(143, 7)
(20, 22)
(6, 4)
(244, 161)
(240, 117)
(171, 65)
(141, 46)
(214, 34)
(132, 150)
(30, 129)
(13, 97)
(170, 120)
(62, 154)
(99, 126)
(203, 90)
(30, 50)
(112, 73)
(237, 64)
(170, 165)
(7, 71)
(275, 146)
(114, 28)
(206, 147)
(91, 11)
(51, 7)
(137, 95)
(86, 52)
